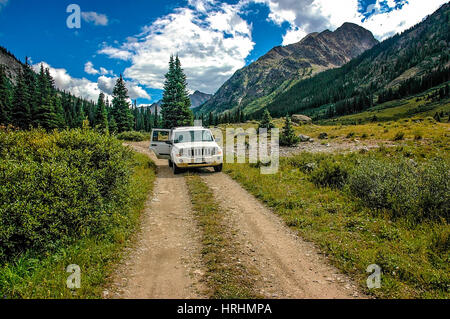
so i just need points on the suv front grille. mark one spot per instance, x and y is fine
(199, 151)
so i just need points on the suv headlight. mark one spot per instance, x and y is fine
(179, 152)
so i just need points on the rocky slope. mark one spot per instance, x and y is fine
(10, 62)
(284, 66)
(413, 54)
(197, 98)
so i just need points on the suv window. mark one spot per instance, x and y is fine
(160, 136)
(193, 136)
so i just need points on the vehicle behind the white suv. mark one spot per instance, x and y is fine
(187, 147)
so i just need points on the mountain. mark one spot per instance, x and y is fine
(258, 83)
(197, 98)
(11, 63)
(405, 64)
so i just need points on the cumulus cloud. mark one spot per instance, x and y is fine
(211, 39)
(87, 89)
(95, 18)
(106, 84)
(63, 81)
(384, 18)
(89, 68)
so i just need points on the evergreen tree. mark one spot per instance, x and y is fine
(210, 119)
(45, 115)
(288, 137)
(175, 108)
(121, 107)
(20, 114)
(156, 118)
(5, 97)
(112, 125)
(59, 111)
(79, 113)
(101, 116)
(266, 121)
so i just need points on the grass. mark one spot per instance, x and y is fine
(44, 277)
(419, 106)
(134, 136)
(226, 278)
(414, 260)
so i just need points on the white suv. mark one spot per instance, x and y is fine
(187, 147)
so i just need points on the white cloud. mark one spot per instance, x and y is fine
(94, 17)
(87, 89)
(78, 87)
(293, 35)
(89, 68)
(116, 53)
(211, 39)
(306, 16)
(106, 84)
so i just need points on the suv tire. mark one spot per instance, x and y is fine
(218, 168)
(176, 169)
(170, 163)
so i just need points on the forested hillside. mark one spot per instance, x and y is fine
(29, 100)
(405, 64)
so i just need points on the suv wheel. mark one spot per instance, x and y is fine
(170, 163)
(218, 169)
(176, 169)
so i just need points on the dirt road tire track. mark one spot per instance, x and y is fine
(289, 267)
(165, 262)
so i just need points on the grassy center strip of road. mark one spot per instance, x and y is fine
(226, 276)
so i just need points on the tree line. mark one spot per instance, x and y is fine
(31, 100)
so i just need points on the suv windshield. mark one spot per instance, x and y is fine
(193, 136)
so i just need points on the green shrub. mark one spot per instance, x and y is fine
(406, 188)
(133, 136)
(399, 136)
(59, 187)
(329, 173)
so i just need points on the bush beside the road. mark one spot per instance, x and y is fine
(70, 197)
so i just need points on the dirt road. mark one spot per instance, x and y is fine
(166, 262)
(289, 267)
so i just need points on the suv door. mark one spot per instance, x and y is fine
(160, 143)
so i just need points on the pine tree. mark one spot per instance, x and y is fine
(79, 113)
(175, 108)
(59, 111)
(210, 119)
(288, 137)
(266, 121)
(156, 118)
(101, 116)
(32, 93)
(121, 107)
(5, 97)
(45, 115)
(20, 113)
(112, 125)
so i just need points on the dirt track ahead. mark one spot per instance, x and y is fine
(166, 262)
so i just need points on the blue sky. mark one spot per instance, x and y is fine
(213, 38)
